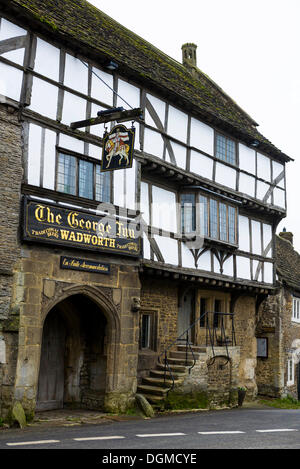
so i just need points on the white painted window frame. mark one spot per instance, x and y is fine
(296, 310)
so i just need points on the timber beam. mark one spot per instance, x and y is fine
(209, 282)
(106, 116)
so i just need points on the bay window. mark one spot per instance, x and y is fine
(208, 216)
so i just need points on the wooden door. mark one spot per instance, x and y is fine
(186, 314)
(51, 378)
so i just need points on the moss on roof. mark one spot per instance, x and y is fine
(83, 24)
(287, 263)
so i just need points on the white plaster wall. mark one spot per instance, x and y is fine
(202, 136)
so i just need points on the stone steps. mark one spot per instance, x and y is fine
(174, 368)
(156, 390)
(161, 382)
(196, 348)
(154, 400)
(161, 373)
(180, 361)
(182, 355)
(156, 386)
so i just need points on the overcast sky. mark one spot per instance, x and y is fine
(250, 48)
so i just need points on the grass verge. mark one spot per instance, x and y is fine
(283, 403)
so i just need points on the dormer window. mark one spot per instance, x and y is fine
(225, 149)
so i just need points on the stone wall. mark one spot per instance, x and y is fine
(245, 322)
(39, 285)
(217, 378)
(269, 370)
(10, 184)
(283, 334)
(161, 298)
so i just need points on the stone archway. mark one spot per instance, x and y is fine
(74, 352)
(85, 382)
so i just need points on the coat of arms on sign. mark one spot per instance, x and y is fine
(118, 146)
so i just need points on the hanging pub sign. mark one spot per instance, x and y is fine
(118, 146)
(61, 226)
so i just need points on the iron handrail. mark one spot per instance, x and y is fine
(188, 344)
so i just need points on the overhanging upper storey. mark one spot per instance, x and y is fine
(189, 122)
(196, 153)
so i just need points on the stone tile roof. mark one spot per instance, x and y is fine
(88, 30)
(287, 263)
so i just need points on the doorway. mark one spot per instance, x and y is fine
(73, 355)
(186, 313)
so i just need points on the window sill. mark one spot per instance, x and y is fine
(296, 321)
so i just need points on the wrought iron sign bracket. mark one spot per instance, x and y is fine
(109, 115)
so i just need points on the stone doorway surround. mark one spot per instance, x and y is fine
(121, 338)
(73, 356)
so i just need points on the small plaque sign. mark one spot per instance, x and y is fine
(262, 347)
(73, 263)
(118, 146)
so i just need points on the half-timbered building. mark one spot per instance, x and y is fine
(85, 316)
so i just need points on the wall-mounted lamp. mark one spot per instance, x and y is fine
(111, 65)
(255, 143)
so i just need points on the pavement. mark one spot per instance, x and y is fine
(75, 417)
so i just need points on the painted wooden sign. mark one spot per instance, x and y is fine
(118, 146)
(53, 224)
(84, 265)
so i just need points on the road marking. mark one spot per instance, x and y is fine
(149, 435)
(277, 430)
(99, 438)
(41, 442)
(220, 433)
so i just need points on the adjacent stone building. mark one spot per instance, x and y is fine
(103, 274)
(278, 326)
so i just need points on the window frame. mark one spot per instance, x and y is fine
(227, 139)
(296, 309)
(152, 343)
(207, 228)
(88, 160)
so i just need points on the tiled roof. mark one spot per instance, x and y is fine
(88, 30)
(287, 263)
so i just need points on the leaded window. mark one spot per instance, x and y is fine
(82, 178)
(204, 208)
(213, 218)
(225, 149)
(209, 217)
(86, 177)
(66, 174)
(102, 186)
(188, 213)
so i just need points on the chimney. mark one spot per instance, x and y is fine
(288, 235)
(189, 55)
